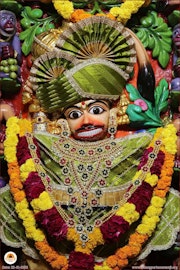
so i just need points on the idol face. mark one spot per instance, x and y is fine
(176, 35)
(7, 22)
(88, 120)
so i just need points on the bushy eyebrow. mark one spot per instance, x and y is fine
(88, 105)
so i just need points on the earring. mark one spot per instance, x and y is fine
(112, 126)
(65, 130)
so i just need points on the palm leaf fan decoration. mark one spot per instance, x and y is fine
(99, 37)
(50, 66)
(47, 79)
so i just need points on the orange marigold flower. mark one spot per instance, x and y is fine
(163, 185)
(160, 193)
(14, 190)
(122, 262)
(112, 261)
(138, 238)
(13, 166)
(126, 249)
(136, 250)
(79, 15)
(14, 182)
(116, 268)
(51, 255)
(19, 196)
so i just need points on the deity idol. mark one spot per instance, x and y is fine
(10, 52)
(90, 198)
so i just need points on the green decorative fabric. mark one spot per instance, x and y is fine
(124, 165)
(11, 228)
(168, 227)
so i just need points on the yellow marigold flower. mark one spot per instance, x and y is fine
(124, 12)
(12, 122)
(29, 222)
(10, 154)
(151, 179)
(114, 11)
(169, 138)
(144, 229)
(153, 211)
(72, 235)
(11, 140)
(102, 267)
(39, 235)
(64, 8)
(128, 212)
(35, 234)
(150, 221)
(26, 168)
(42, 203)
(25, 126)
(24, 213)
(21, 205)
(148, 225)
(157, 201)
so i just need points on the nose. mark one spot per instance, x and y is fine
(86, 117)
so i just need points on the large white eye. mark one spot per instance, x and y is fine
(96, 109)
(75, 114)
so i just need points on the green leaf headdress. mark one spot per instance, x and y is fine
(92, 59)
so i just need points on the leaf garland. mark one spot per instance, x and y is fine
(155, 35)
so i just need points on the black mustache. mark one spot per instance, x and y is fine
(87, 127)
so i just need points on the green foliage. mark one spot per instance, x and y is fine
(11, 5)
(33, 24)
(152, 116)
(155, 35)
(174, 18)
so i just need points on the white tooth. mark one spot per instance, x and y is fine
(90, 133)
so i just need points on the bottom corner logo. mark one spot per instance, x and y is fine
(10, 257)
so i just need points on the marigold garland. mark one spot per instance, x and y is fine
(129, 211)
(121, 14)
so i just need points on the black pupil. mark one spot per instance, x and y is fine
(96, 110)
(75, 115)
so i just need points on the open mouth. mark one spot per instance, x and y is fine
(89, 133)
(9, 28)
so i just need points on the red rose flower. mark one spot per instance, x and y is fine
(141, 197)
(157, 165)
(33, 186)
(113, 228)
(80, 261)
(144, 158)
(52, 222)
(23, 152)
